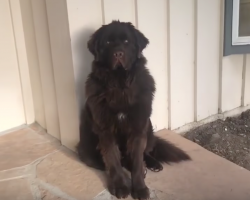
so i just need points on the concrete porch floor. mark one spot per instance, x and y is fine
(33, 165)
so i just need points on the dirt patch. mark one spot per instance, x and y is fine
(228, 138)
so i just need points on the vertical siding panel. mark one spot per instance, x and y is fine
(46, 67)
(243, 84)
(222, 6)
(31, 48)
(231, 82)
(208, 51)
(63, 72)
(154, 26)
(124, 10)
(182, 62)
(247, 82)
(84, 18)
(22, 61)
(195, 58)
(11, 103)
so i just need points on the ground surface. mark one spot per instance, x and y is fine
(34, 166)
(228, 138)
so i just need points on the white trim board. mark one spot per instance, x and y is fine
(231, 113)
(236, 39)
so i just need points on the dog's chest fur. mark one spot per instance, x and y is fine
(121, 95)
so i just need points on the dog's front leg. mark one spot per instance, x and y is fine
(118, 181)
(136, 146)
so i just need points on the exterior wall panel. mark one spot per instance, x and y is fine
(247, 82)
(231, 82)
(208, 56)
(157, 54)
(193, 80)
(182, 62)
(124, 10)
(11, 103)
(46, 67)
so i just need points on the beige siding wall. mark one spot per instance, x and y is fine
(125, 13)
(157, 54)
(207, 58)
(22, 61)
(247, 82)
(60, 41)
(41, 28)
(182, 63)
(33, 62)
(79, 33)
(232, 67)
(193, 80)
(11, 102)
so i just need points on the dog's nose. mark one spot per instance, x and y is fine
(118, 54)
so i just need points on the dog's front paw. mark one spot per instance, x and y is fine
(120, 191)
(141, 194)
(120, 187)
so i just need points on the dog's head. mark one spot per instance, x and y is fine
(117, 45)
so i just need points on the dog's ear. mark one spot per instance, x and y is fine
(93, 44)
(141, 40)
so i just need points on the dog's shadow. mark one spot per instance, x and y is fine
(82, 63)
(82, 67)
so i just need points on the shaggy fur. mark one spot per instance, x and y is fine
(116, 130)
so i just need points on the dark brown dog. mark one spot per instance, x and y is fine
(115, 129)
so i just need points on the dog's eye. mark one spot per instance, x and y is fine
(125, 41)
(107, 42)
